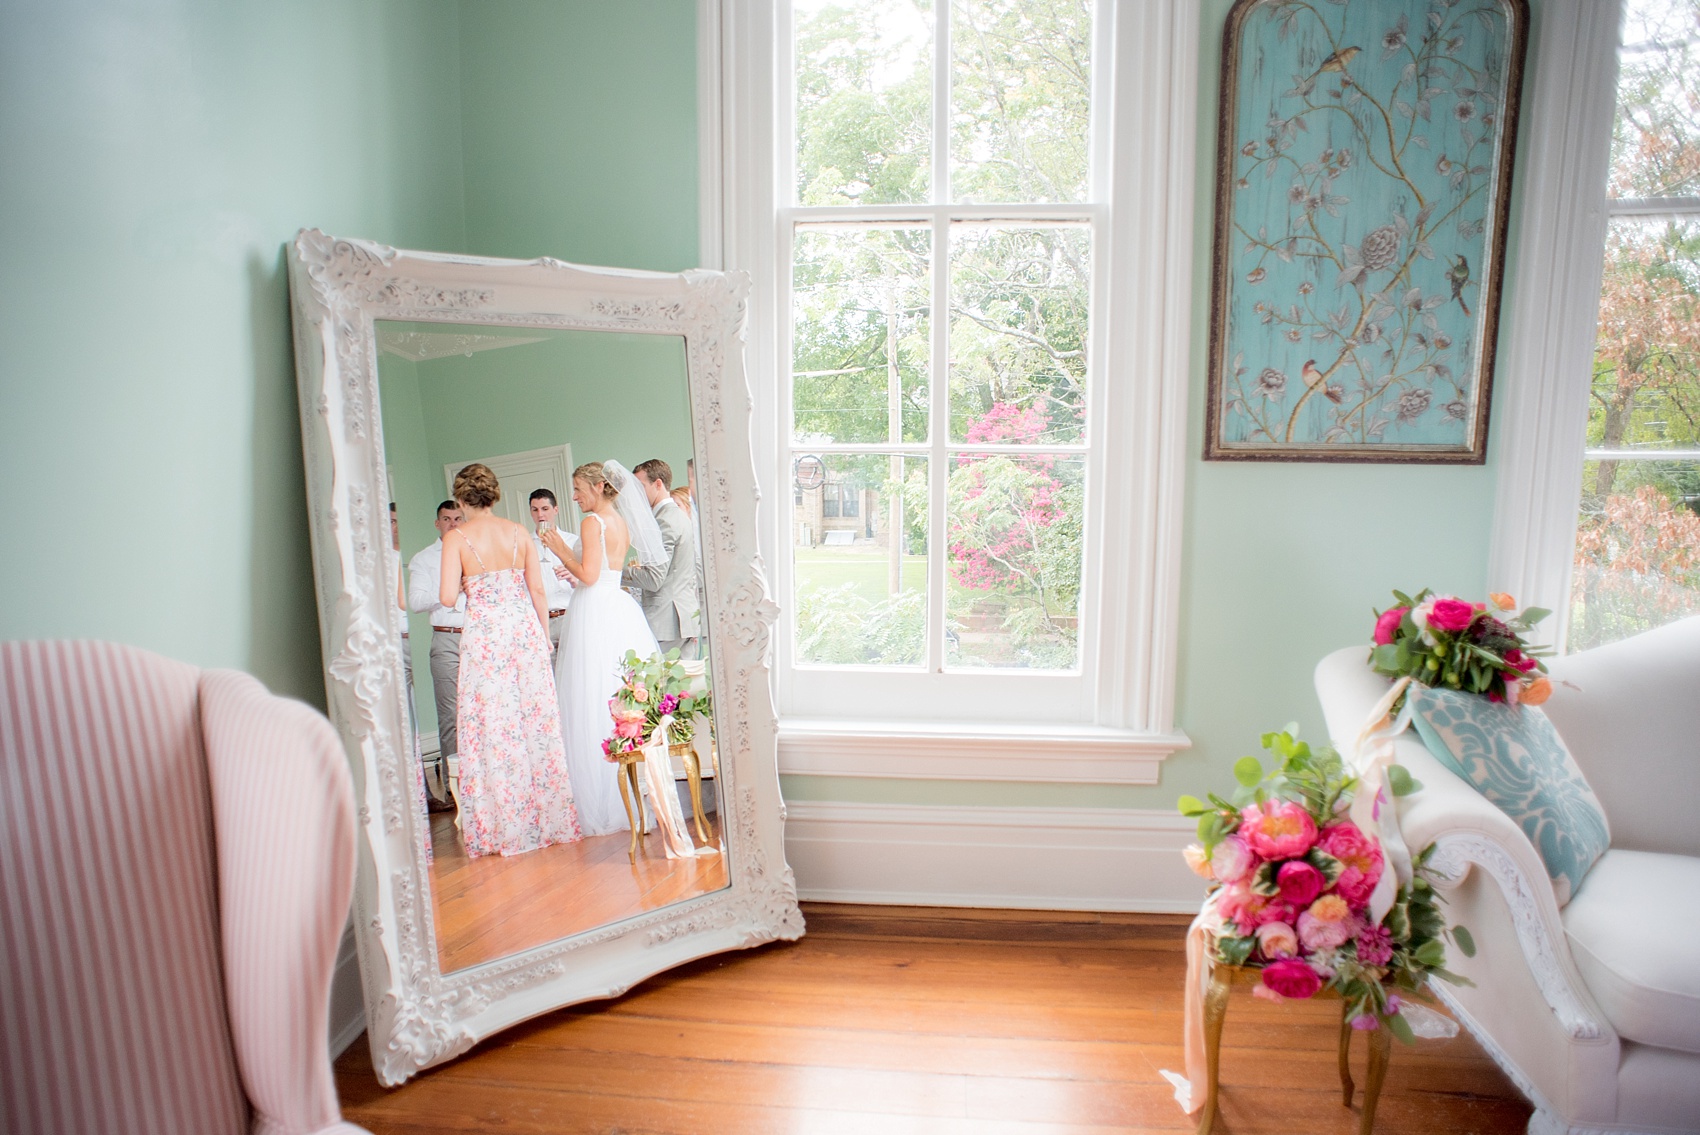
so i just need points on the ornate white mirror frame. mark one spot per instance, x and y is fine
(416, 1015)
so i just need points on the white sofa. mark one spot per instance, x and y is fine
(1593, 1010)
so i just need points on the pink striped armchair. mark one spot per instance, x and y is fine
(176, 858)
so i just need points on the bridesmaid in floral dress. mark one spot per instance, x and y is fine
(515, 792)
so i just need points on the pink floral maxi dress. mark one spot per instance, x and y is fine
(514, 785)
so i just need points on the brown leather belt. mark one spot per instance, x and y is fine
(447, 630)
(557, 612)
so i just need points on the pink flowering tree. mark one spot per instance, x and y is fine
(1015, 531)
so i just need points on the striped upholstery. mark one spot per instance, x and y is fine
(176, 858)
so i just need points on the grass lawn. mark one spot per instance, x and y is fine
(869, 569)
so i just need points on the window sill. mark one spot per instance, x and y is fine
(1060, 754)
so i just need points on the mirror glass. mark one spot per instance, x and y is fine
(530, 842)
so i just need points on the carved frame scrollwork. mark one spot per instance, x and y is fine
(416, 1015)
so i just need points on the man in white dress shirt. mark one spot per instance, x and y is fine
(557, 580)
(424, 584)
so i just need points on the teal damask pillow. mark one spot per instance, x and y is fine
(1515, 758)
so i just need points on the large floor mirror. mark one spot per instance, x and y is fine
(545, 629)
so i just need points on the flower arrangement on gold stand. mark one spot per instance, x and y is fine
(1293, 882)
(654, 689)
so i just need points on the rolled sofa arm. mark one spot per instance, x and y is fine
(1468, 833)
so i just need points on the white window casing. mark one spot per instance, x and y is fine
(1113, 721)
(1541, 422)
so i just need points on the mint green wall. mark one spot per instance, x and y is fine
(608, 395)
(580, 128)
(157, 157)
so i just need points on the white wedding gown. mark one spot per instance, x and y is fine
(603, 622)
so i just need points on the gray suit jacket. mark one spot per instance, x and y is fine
(670, 601)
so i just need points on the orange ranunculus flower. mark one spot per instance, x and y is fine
(1501, 600)
(1537, 691)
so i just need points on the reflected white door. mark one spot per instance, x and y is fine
(522, 474)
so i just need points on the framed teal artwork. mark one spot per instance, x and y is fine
(1362, 183)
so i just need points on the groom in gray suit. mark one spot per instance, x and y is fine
(670, 601)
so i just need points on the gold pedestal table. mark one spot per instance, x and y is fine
(1223, 978)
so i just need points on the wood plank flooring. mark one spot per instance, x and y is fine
(493, 906)
(894, 1019)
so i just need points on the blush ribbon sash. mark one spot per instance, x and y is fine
(658, 774)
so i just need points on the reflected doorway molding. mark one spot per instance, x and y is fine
(554, 463)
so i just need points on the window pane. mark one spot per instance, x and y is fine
(1015, 555)
(1020, 74)
(1018, 307)
(1656, 142)
(859, 556)
(1637, 549)
(864, 101)
(1646, 390)
(860, 343)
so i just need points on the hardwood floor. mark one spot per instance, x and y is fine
(491, 907)
(892, 1019)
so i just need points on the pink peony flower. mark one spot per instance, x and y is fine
(640, 694)
(1231, 860)
(1300, 883)
(1451, 615)
(1388, 624)
(1291, 978)
(1317, 934)
(631, 729)
(1278, 829)
(1375, 945)
(1197, 859)
(1248, 910)
(1346, 842)
(1277, 940)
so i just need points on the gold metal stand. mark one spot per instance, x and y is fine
(1222, 981)
(693, 776)
(632, 796)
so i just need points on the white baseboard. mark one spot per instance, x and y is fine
(348, 1006)
(1121, 859)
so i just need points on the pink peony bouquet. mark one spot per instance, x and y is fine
(1441, 640)
(1292, 876)
(650, 689)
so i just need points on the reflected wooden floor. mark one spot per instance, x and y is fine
(492, 906)
(945, 1022)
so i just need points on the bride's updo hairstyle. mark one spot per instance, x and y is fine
(592, 474)
(476, 486)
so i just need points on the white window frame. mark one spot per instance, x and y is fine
(1114, 722)
(1571, 104)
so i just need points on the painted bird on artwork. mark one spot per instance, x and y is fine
(1337, 60)
(1459, 275)
(1318, 382)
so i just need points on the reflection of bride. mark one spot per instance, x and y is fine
(603, 622)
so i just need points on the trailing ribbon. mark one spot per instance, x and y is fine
(658, 772)
(1190, 1089)
(1372, 805)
